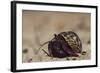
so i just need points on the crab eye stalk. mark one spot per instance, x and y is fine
(55, 35)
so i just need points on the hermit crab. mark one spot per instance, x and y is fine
(64, 44)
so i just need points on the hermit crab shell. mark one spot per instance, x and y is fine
(73, 40)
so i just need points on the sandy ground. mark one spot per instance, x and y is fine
(40, 27)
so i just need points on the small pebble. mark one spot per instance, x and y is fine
(25, 51)
(67, 59)
(88, 42)
(84, 53)
(30, 60)
(74, 59)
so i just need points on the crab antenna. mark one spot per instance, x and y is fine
(45, 52)
(42, 45)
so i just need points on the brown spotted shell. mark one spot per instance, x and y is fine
(73, 40)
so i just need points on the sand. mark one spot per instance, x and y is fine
(40, 26)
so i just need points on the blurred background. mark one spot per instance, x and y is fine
(39, 27)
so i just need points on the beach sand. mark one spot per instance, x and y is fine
(39, 27)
